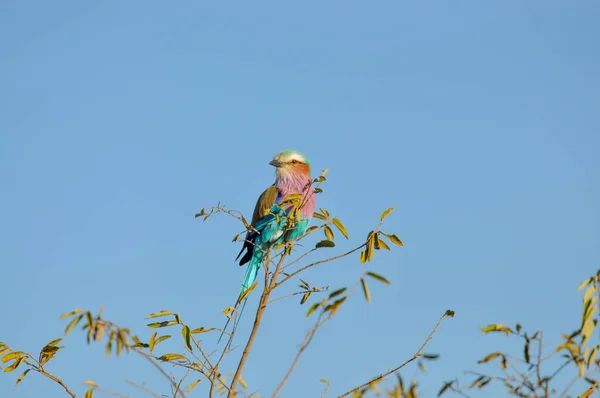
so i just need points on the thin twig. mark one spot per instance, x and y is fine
(114, 394)
(305, 343)
(145, 389)
(326, 388)
(308, 338)
(157, 366)
(317, 263)
(415, 356)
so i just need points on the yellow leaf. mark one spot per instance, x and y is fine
(201, 330)
(159, 314)
(170, 357)
(395, 240)
(90, 383)
(319, 216)
(247, 292)
(22, 376)
(328, 232)
(386, 213)
(161, 338)
(363, 256)
(12, 355)
(68, 314)
(89, 393)
(72, 324)
(227, 311)
(191, 386)
(15, 364)
(585, 283)
(152, 341)
(589, 292)
(382, 244)
(340, 227)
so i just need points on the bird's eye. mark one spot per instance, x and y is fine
(294, 161)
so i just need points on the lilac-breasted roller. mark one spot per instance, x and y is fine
(270, 221)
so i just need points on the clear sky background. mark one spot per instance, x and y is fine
(119, 120)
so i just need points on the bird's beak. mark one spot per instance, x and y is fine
(276, 163)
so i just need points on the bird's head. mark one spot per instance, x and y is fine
(290, 162)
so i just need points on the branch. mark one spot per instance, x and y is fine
(305, 343)
(417, 354)
(40, 370)
(157, 366)
(308, 338)
(264, 298)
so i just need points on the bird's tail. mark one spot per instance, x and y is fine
(249, 279)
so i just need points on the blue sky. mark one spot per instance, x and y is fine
(477, 121)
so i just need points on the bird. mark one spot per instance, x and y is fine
(271, 218)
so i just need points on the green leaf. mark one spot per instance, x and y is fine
(312, 308)
(378, 277)
(526, 351)
(449, 313)
(191, 386)
(337, 292)
(21, 377)
(162, 324)
(431, 356)
(386, 213)
(328, 232)
(365, 290)
(324, 243)
(445, 387)
(185, 331)
(340, 227)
